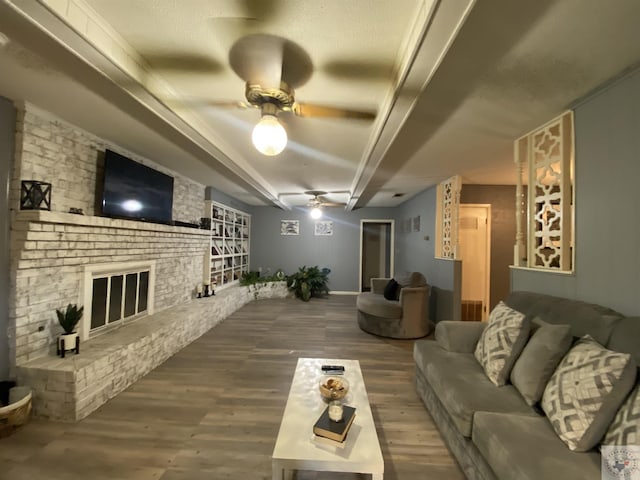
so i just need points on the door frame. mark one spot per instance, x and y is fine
(390, 222)
(487, 299)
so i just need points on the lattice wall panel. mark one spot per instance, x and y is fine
(550, 194)
(449, 205)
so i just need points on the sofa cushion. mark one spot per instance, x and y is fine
(391, 290)
(378, 306)
(501, 342)
(584, 318)
(585, 392)
(624, 338)
(625, 428)
(410, 279)
(462, 386)
(508, 442)
(458, 336)
(539, 359)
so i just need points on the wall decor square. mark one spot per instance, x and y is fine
(324, 228)
(289, 227)
(416, 223)
(35, 195)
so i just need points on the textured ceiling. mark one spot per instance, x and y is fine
(453, 84)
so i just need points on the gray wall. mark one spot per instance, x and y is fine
(339, 252)
(607, 170)
(414, 253)
(7, 136)
(502, 199)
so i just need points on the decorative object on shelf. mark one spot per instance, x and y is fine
(205, 223)
(35, 195)
(199, 290)
(206, 289)
(76, 211)
(289, 227)
(68, 320)
(323, 228)
(309, 282)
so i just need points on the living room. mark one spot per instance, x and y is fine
(37, 141)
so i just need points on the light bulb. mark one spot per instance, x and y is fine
(269, 137)
(316, 213)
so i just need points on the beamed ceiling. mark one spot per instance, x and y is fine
(452, 83)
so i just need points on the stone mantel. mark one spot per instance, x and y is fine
(59, 218)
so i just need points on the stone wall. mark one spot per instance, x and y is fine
(50, 249)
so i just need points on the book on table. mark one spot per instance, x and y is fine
(325, 427)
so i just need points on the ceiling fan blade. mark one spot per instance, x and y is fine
(262, 9)
(186, 62)
(205, 103)
(319, 111)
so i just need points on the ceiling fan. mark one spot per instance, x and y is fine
(272, 67)
(319, 201)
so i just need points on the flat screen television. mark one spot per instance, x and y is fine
(133, 190)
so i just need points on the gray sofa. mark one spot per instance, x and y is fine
(404, 317)
(491, 430)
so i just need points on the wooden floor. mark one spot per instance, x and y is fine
(213, 410)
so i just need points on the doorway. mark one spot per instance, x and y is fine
(474, 240)
(376, 251)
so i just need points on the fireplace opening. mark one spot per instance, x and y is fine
(117, 294)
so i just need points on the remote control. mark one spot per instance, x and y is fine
(333, 368)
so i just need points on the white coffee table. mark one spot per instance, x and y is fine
(297, 449)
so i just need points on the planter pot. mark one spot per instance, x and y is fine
(17, 412)
(68, 342)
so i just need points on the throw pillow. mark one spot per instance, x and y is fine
(501, 342)
(539, 359)
(391, 290)
(585, 392)
(625, 428)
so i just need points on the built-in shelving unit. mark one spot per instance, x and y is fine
(230, 230)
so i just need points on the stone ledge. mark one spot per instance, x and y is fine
(60, 218)
(69, 389)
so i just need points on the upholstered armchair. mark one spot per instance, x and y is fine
(404, 317)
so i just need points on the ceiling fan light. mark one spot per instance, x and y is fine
(316, 213)
(269, 137)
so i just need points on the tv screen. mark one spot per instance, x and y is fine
(132, 190)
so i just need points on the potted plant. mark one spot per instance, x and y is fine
(309, 282)
(68, 320)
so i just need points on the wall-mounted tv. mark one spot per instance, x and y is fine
(133, 190)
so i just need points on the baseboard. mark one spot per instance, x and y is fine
(342, 292)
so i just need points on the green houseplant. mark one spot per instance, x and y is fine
(309, 282)
(68, 319)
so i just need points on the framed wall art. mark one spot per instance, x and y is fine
(289, 227)
(323, 228)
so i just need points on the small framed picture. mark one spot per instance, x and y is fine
(289, 227)
(416, 223)
(323, 228)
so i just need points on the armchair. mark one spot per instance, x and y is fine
(407, 317)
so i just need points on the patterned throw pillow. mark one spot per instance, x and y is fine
(501, 342)
(585, 392)
(625, 428)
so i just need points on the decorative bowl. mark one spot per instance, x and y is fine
(334, 388)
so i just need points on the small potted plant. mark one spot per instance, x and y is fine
(68, 320)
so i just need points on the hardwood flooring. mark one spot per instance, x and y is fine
(213, 410)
